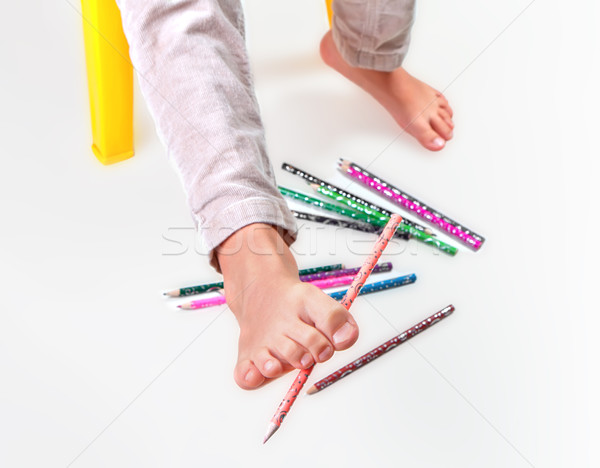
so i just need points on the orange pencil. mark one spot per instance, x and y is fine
(353, 290)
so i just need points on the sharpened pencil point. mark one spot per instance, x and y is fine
(312, 390)
(272, 429)
(179, 306)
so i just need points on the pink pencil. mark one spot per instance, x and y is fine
(386, 190)
(332, 282)
(202, 303)
(218, 300)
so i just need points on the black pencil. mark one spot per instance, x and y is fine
(355, 225)
(315, 180)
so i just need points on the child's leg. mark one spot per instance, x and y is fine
(367, 45)
(193, 71)
(191, 60)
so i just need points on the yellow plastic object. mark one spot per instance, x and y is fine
(329, 10)
(110, 81)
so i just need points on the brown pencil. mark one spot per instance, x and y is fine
(380, 350)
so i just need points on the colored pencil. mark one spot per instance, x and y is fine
(202, 288)
(377, 215)
(355, 225)
(204, 303)
(315, 180)
(310, 271)
(348, 299)
(380, 350)
(410, 203)
(341, 210)
(332, 282)
(380, 268)
(352, 213)
(370, 288)
(321, 283)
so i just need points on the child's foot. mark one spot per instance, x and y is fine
(418, 108)
(284, 323)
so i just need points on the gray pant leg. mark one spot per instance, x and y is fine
(193, 71)
(373, 33)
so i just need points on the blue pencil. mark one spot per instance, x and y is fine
(379, 286)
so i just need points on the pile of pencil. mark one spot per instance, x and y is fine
(355, 212)
(351, 211)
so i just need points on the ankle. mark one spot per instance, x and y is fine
(252, 258)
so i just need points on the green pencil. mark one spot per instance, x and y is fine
(371, 219)
(342, 199)
(349, 212)
(202, 288)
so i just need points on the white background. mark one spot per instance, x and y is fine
(98, 369)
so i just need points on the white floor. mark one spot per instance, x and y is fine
(97, 369)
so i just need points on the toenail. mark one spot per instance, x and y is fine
(325, 354)
(269, 365)
(343, 334)
(248, 376)
(306, 360)
(439, 142)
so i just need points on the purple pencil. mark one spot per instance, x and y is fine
(380, 350)
(381, 268)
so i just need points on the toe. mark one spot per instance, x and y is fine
(294, 353)
(444, 105)
(317, 344)
(441, 127)
(446, 117)
(268, 365)
(247, 376)
(427, 136)
(333, 320)
(440, 97)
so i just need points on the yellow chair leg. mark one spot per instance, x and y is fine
(329, 10)
(110, 81)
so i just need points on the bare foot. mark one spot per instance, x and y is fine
(284, 323)
(418, 108)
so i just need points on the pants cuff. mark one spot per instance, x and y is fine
(249, 211)
(364, 59)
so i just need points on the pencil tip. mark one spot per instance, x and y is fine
(311, 390)
(270, 431)
(343, 163)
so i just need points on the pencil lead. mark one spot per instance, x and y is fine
(272, 429)
(180, 307)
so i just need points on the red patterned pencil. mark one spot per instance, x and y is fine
(380, 350)
(353, 290)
